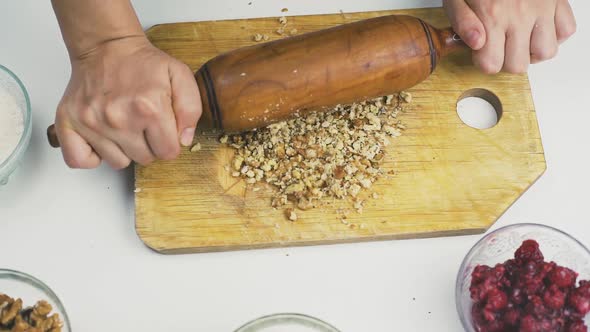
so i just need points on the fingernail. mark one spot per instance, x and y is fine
(186, 138)
(473, 38)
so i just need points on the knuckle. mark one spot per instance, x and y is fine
(145, 108)
(171, 152)
(567, 30)
(463, 27)
(120, 163)
(186, 114)
(544, 53)
(516, 68)
(145, 160)
(522, 6)
(75, 162)
(490, 66)
(72, 162)
(88, 118)
(113, 117)
(187, 69)
(490, 9)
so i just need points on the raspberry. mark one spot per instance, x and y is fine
(580, 302)
(536, 307)
(577, 326)
(512, 317)
(517, 296)
(554, 298)
(529, 251)
(497, 300)
(496, 326)
(529, 324)
(563, 277)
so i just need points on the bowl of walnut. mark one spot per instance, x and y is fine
(28, 305)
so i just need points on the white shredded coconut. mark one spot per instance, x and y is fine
(11, 124)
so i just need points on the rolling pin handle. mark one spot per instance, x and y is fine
(52, 136)
(451, 41)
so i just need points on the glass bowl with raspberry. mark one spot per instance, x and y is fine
(525, 277)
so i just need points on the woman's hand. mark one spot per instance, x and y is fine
(511, 34)
(126, 101)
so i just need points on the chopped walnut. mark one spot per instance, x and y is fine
(335, 154)
(293, 32)
(406, 96)
(283, 20)
(291, 215)
(196, 147)
(257, 37)
(358, 205)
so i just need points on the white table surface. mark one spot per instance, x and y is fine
(75, 229)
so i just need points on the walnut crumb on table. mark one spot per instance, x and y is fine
(322, 156)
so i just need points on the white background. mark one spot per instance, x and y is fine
(75, 229)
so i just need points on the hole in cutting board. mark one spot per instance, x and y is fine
(479, 108)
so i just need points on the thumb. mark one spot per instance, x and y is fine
(466, 23)
(186, 101)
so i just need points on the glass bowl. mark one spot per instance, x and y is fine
(500, 245)
(287, 322)
(30, 289)
(10, 82)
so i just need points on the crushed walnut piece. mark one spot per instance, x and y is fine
(196, 147)
(334, 154)
(260, 37)
(15, 318)
(291, 215)
(406, 97)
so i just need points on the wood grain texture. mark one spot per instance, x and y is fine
(449, 179)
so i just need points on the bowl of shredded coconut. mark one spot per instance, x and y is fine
(15, 122)
(287, 322)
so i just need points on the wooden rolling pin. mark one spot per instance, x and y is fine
(254, 86)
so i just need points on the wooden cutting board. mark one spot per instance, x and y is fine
(450, 179)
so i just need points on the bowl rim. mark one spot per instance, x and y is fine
(22, 276)
(486, 236)
(296, 316)
(27, 118)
